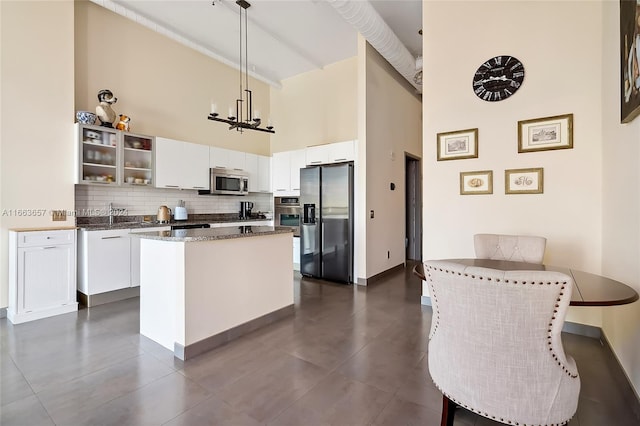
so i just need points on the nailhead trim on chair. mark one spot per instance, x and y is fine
(489, 416)
(553, 354)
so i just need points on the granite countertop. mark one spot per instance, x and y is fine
(210, 234)
(133, 222)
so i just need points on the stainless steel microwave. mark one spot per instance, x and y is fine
(227, 182)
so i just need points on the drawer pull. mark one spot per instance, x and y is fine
(172, 186)
(109, 238)
(340, 159)
(316, 162)
(49, 247)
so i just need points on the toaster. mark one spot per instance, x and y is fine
(180, 213)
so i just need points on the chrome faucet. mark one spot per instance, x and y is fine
(110, 214)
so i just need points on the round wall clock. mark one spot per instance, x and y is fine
(498, 78)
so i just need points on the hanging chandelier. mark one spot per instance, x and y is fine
(244, 118)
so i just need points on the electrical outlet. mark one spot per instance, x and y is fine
(371, 214)
(388, 254)
(58, 215)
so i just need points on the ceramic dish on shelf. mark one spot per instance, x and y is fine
(86, 117)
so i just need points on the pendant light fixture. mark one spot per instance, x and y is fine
(244, 118)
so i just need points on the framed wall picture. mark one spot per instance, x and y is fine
(629, 60)
(524, 181)
(542, 134)
(476, 183)
(458, 145)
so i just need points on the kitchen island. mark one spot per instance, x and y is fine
(200, 288)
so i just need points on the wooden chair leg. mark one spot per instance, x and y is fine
(448, 410)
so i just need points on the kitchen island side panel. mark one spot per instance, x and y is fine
(162, 281)
(230, 282)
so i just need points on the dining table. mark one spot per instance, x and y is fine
(589, 289)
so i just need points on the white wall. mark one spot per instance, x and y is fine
(393, 127)
(620, 203)
(316, 107)
(561, 52)
(165, 87)
(37, 114)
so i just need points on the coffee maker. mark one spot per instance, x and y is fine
(245, 209)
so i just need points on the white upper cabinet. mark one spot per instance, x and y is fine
(264, 174)
(251, 167)
(286, 171)
(181, 164)
(318, 154)
(281, 172)
(297, 163)
(330, 153)
(218, 157)
(227, 158)
(237, 160)
(341, 151)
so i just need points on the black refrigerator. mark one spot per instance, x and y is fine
(326, 223)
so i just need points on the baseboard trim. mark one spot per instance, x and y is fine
(3, 312)
(379, 276)
(108, 297)
(582, 329)
(205, 345)
(631, 396)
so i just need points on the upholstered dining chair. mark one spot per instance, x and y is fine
(495, 346)
(518, 248)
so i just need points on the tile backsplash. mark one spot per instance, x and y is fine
(139, 200)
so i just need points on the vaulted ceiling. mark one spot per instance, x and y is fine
(285, 37)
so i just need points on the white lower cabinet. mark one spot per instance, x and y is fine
(296, 253)
(42, 274)
(105, 261)
(109, 260)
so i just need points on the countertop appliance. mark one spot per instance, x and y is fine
(326, 225)
(245, 209)
(180, 212)
(287, 213)
(164, 214)
(227, 182)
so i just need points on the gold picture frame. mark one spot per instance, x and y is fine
(524, 181)
(457, 145)
(544, 134)
(476, 183)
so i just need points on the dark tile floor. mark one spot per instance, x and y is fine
(349, 356)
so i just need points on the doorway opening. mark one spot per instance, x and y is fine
(413, 208)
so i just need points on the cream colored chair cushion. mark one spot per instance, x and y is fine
(518, 248)
(495, 346)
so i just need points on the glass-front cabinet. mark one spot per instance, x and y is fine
(138, 159)
(110, 157)
(98, 155)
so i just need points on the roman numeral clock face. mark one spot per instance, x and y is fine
(498, 78)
